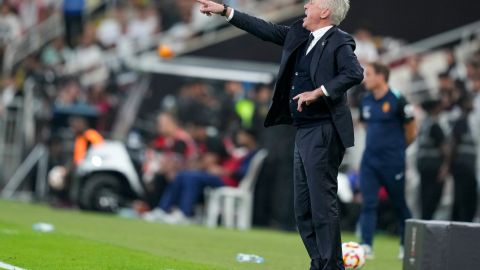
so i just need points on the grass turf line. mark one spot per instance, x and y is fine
(93, 241)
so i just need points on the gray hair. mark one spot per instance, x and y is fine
(339, 9)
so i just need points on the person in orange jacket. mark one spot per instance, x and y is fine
(85, 137)
(60, 177)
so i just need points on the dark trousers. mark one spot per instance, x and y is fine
(465, 190)
(73, 28)
(372, 177)
(186, 190)
(317, 156)
(430, 187)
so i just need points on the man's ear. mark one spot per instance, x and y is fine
(325, 13)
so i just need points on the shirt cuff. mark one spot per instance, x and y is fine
(324, 90)
(231, 15)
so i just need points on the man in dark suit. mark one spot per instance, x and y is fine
(318, 66)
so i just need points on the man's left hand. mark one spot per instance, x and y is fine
(308, 98)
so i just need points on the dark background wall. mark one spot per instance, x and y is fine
(411, 19)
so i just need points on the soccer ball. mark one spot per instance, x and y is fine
(353, 255)
(56, 178)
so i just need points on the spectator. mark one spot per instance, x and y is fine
(182, 29)
(10, 25)
(472, 68)
(366, 50)
(172, 150)
(56, 54)
(206, 138)
(430, 157)
(445, 81)
(7, 94)
(73, 15)
(143, 25)
(68, 95)
(476, 93)
(461, 162)
(195, 102)
(110, 29)
(89, 60)
(29, 11)
(231, 94)
(449, 99)
(263, 97)
(85, 138)
(419, 90)
(98, 98)
(187, 188)
(453, 69)
(173, 138)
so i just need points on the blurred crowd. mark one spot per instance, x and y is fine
(443, 165)
(17, 16)
(448, 141)
(87, 64)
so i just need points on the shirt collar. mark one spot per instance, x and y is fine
(319, 33)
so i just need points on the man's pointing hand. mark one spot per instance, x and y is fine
(209, 7)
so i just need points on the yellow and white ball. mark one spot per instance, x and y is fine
(353, 256)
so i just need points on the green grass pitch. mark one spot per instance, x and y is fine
(94, 241)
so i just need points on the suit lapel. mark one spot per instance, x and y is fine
(317, 52)
(301, 35)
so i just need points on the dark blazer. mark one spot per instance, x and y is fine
(334, 65)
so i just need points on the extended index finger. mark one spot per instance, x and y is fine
(205, 2)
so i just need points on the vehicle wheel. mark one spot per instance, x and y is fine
(102, 192)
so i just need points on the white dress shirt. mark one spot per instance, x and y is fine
(317, 35)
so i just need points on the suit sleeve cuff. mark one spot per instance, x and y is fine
(324, 90)
(231, 15)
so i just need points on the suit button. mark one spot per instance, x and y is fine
(296, 73)
(293, 87)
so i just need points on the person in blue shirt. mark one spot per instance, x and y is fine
(388, 119)
(73, 16)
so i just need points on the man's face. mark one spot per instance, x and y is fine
(315, 14)
(372, 79)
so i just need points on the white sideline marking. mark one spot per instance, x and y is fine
(9, 267)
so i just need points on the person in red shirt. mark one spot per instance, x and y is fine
(187, 188)
(172, 150)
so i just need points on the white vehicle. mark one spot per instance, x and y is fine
(106, 179)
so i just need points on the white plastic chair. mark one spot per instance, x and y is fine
(235, 202)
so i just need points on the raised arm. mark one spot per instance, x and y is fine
(264, 30)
